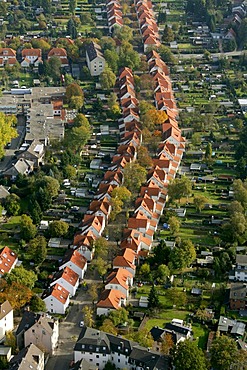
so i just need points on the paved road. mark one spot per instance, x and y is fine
(69, 330)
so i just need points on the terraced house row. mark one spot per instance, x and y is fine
(114, 14)
(147, 24)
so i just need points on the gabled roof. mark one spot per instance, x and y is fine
(68, 275)
(119, 276)
(7, 260)
(111, 298)
(125, 258)
(7, 52)
(31, 52)
(75, 257)
(113, 175)
(84, 239)
(59, 52)
(5, 308)
(57, 292)
(30, 357)
(93, 51)
(125, 72)
(95, 221)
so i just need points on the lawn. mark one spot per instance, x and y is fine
(12, 224)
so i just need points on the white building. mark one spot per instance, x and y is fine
(56, 299)
(6, 318)
(95, 59)
(68, 279)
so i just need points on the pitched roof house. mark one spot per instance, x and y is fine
(68, 279)
(6, 318)
(95, 59)
(30, 357)
(60, 53)
(7, 56)
(119, 279)
(8, 260)
(31, 57)
(56, 299)
(126, 259)
(76, 261)
(110, 299)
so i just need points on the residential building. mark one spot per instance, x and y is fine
(56, 299)
(75, 261)
(240, 269)
(7, 56)
(31, 57)
(40, 329)
(6, 318)
(233, 327)
(20, 167)
(30, 357)
(119, 279)
(61, 54)
(8, 260)
(98, 347)
(95, 59)
(126, 259)
(35, 153)
(68, 279)
(84, 365)
(238, 296)
(110, 299)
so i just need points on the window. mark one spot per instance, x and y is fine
(97, 356)
(83, 346)
(91, 360)
(97, 349)
(97, 363)
(118, 360)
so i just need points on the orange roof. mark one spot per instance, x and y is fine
(125, 72)
(125, 258)
(7, 260)
(60, 293)
(7, 52)
(31, 52)
(119, 276)
(84, 239)
(70, 276)
(111, 298)
(91, 220)
(59, 52)
(75, 257)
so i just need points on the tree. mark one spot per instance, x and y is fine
(143, 157)
(78, 137)
(174, 225)
(187, 356)
(112, 58)
(58, 228)
(208, 151)
(128, 57)
(10, 340)
(235, 207)
(70, 171)
(93, 292)
(71, 28)
(72, 6)
(183, 255)
(54, 68)
(76, 102)
(37, 249)
(238, 225)
(166, 55)
(108, 327)
(81, 120)
(107, 79)
(176, 297)
(199, 202)
(101, 266)
(134, 176)
(179, 188)
(152, 118)
(168, 34)
(143, 337)
(41, 44)
(119, 316)
(28, 229)
(18, 295)
(196, 139)
(121, 193)
(162, 273)
(72, 90)
(240, 192)
(37, 304)
(12, 204)
(50, 184)
(167, 344)
(21, 276)
(144, 271)
(153, 298)
(117, 207)
(88, 316)
(7, 131)
(101, 247)
(223, 353)
(124, 33)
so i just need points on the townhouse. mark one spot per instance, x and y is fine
(75, 261)
(98, 347)
(110, 299)
(95, 59)
(68, 279)
(114, 14)
(8, 260)
(56, 299)
(119, 279)
(6, 318)
(126, 259)
(7, 56)
(31, 57)
(61, 54)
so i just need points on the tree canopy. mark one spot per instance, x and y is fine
(187, 356)
(223, 353)
(7, 131)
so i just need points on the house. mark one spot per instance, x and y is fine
(99, 347)
(56, 299)
(126, 259)
(233, 327)
(95, 59)
(238, 296)
(68, 279)
(40, 329)
(31, 57)
(20, 167)
(6, 318)
(119, 279)
(76, 261)
(240, 269)
(84, 243)
(96, 224)
(30, 357)
(4, 192)
(110, 299)
(8, 260)
(60, 53)
(179, 329)
(35, 153)
(7, 56)
(84, 365)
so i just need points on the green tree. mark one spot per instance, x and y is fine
(72, 6)
(143, 157)
(78, 137)
(196, 139)
(7, 131)
(208, 151)
(176, 297)
(50, 184)
(124, 33)
(18, 295)
(107, 79)
(223, 353)
(179, 188)
(235, 207)
(58, 228)
(143, 337)
(121, 193)
(28, 229)
(37, 304)
(153, 298)
(70, 171)
(134, 176)
(81, 120)
(183, 255)
(101, 247)
(108, 327)
(162, 273)
(168, 34)
(101, 266)
(21, 276)
(187, 356)
(12, 204)
(128, 57)
(71, 28)
(10, 341)
(54, 68)
(199, 202)
(174, 225)
(144, 271)
(112, 59)
(37, 249)
(240, 192)
(119, 316)
(73, 90)
(76, 102)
